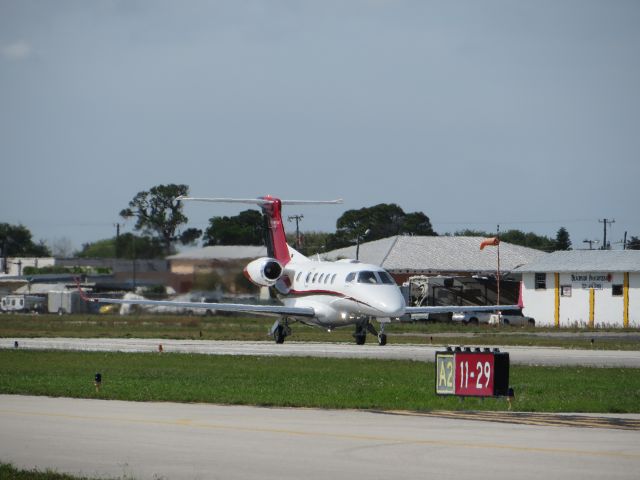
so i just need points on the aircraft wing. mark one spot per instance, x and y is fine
(457, 309)
(225, 307)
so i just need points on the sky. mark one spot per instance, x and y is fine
(523, 114)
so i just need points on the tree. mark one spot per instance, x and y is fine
(633, 243)
(127, 245)
(159, 214)
(246, 228)
(381, 221)
(310, 242)
(562, 240)
(515, 237)
(16, 241)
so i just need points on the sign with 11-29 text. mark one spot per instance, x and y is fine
(472, 374)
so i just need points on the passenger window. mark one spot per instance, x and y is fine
(326, 279)
(315, 275)
(351, 277)
(298, 276)
(333, 278)
(320, 278)
(306, 280)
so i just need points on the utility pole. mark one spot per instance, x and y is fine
(297, 218)
(117, 240)
(604, 240)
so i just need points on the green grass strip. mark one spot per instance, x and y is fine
(9, 472)
(304, 382)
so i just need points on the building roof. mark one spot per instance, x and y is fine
(586, 261)
(221, 252)
(438, 254)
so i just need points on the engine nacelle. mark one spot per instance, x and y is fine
(264, 271)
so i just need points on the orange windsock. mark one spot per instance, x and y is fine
(489, 241)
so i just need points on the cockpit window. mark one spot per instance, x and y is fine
(370, 277)
(386, 278)
(351, 277)
(367, 277)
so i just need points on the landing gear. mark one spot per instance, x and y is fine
(280, 330)
(365, 326)
(360, 334)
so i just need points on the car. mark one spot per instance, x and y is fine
(476, 318)
(511, 319)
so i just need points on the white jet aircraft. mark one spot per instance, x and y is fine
(314, 292)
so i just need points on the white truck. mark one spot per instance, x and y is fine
(22, 303)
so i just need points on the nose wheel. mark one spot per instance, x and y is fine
(361, 333)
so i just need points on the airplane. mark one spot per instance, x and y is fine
(314, 292)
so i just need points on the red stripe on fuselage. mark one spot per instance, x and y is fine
(304, 293)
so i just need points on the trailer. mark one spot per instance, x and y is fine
(22, 303)
(65, 302)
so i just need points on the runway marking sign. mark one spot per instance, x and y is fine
(472, 373)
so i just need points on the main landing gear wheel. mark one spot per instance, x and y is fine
(360, 334)
(279, 334)
(382, 339)
(280, 330)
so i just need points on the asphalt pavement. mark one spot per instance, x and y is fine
(135, 440)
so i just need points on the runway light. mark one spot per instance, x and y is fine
(15, 344)
(97, 381)
(160, 348)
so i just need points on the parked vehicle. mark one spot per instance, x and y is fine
(62, 302)
(22, 303)
(476, 318)
(511, 319)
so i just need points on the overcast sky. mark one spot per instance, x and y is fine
(477, 113)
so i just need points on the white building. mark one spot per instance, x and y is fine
(595, 288)
(15, 265)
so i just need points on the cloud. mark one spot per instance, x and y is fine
(17, 50)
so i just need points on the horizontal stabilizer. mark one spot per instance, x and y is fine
(260, 201)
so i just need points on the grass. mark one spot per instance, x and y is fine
(304, 382)
(9, 472)
(256, 328)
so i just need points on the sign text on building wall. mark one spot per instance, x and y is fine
(591, 280)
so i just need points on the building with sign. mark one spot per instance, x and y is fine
(595, 288)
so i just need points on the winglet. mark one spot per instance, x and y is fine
(83, 295)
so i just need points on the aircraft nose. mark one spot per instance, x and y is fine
(392, 304)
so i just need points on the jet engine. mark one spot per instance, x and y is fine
(264, 271)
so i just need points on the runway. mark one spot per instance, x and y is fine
(194, 441)
(544, 356)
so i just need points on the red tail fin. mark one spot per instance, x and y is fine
(275, 237)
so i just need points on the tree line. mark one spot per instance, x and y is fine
(161, 225)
